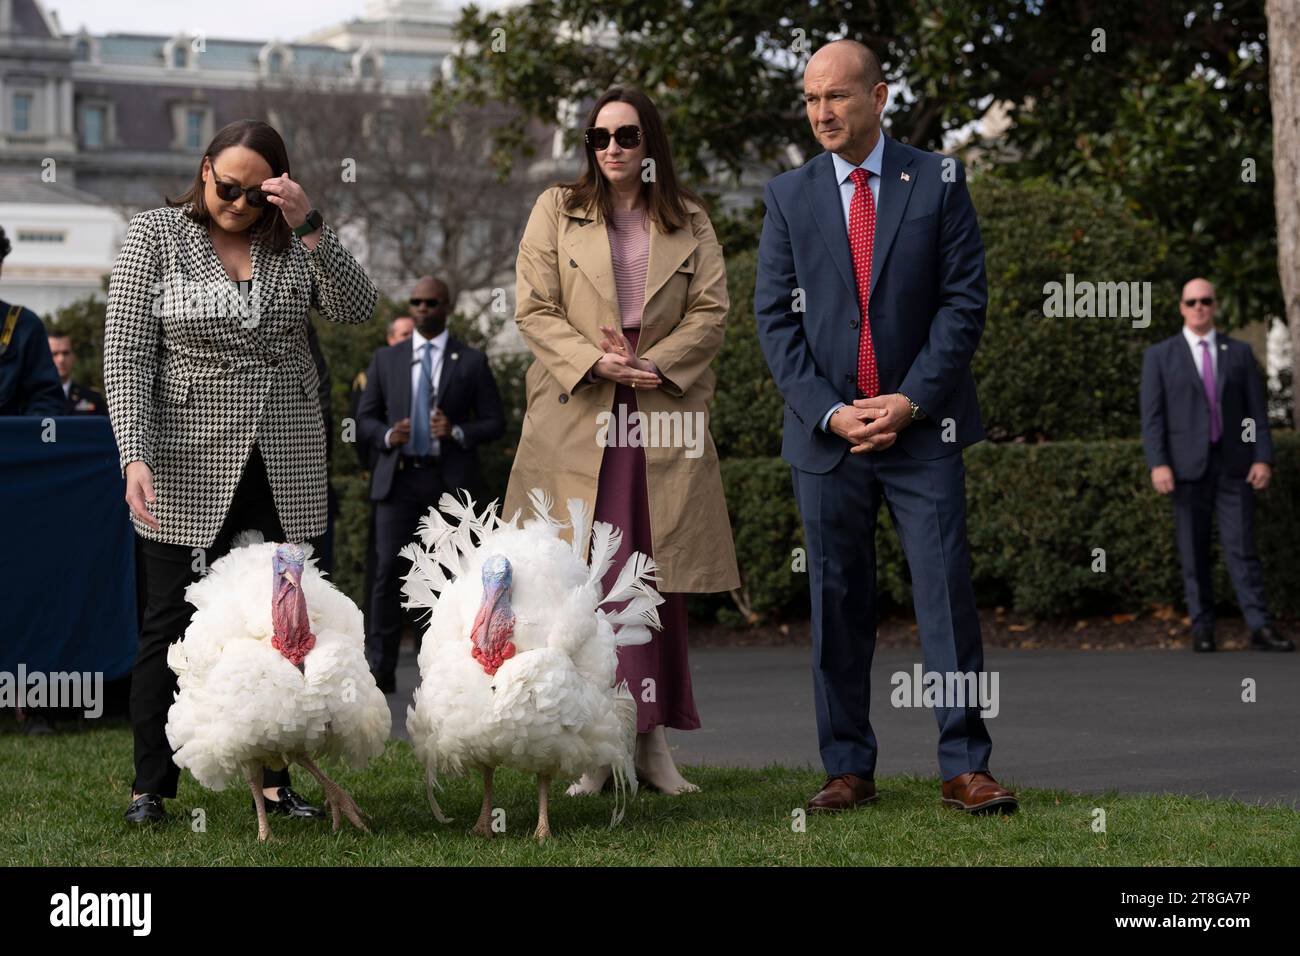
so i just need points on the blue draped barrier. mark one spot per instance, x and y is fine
(67, 549)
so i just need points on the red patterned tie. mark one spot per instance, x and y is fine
(862, 236)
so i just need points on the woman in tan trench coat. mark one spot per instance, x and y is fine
(622, 296)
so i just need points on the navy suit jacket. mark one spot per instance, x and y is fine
(927, 302)
(467, 394)
(1176, 413)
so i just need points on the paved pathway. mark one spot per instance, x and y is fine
(1086, 721)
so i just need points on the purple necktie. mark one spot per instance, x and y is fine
(1211, 393)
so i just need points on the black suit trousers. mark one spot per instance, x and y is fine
(167, 570)
(1195, 505)
(414, 491)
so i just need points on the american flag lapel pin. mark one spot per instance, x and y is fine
(904, 177)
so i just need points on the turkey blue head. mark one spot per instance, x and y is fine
(494, 624)
(290, 629)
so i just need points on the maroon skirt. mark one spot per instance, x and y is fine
(657, 673)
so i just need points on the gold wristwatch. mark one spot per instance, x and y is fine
(916, 409)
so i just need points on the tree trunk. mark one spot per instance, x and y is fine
(1284, 92)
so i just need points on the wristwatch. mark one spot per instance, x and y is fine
(916, 409)
(314, 221)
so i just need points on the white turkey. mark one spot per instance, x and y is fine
(272, 671)
(518, 663)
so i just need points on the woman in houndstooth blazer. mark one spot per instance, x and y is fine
(212, 393)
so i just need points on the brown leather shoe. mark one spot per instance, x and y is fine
(843, 793)
(978, 792)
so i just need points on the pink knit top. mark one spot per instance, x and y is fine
(629, 248)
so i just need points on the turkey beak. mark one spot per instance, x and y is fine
(294, 576)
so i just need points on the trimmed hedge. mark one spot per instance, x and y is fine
(1034, 513)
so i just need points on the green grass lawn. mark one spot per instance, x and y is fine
(63, 798)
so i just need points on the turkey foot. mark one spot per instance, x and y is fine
(654, 764)
(253, 774)
(590, 783)
(336, 798)
(484, 825)
(543, 824)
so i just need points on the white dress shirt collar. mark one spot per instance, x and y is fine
(439, 342)
(1194, 340)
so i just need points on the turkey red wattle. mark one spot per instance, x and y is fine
(290, 627)
(494, 624)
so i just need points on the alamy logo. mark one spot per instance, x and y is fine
(199, 299)
(103, 909)
(1103, 300)
(63, 689)
(952, 689)
(637, 429)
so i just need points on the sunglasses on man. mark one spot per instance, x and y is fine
(230, 192)
(431, 303)
(629, 137)
(1203, 300)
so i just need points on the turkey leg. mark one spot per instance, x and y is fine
(543, 824)
(484, 825)
(336, 798)
(253, 774)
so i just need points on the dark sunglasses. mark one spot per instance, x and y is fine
(1203, 300)
(431, 303)
(230, 192)
(629, 137)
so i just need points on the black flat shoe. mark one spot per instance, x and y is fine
(290, 804)
(146, 808)
(1267, 639)
(1203, 641)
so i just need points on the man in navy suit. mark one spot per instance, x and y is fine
(868, 321)
(1205, 431)
(429, 402)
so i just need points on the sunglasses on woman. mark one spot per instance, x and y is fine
(629, 137)
(230, 192)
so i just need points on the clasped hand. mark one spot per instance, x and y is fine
(620, 362)
(872, 424)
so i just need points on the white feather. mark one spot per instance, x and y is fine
(634, 580)
(604, 545)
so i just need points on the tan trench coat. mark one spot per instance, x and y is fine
(564, 292)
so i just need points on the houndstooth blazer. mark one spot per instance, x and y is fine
(194, 374)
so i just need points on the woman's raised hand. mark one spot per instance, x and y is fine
(283, 192)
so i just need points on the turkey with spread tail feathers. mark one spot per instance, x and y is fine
(272, 671)
(518, 664)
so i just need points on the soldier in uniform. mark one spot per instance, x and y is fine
(29, 384)
(82, 400)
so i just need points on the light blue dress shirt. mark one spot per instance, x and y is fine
(438, 344)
